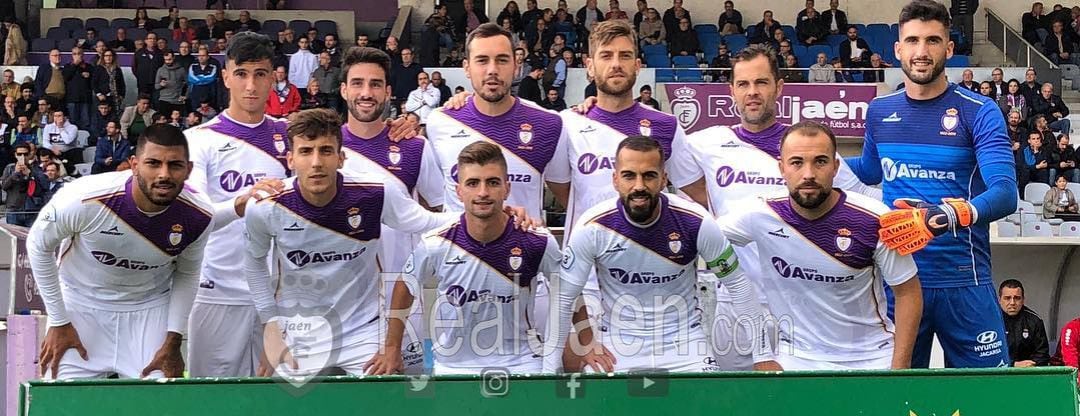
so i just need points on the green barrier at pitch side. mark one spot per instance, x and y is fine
(1042, 391)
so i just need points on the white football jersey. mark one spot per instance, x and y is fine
(529, 136)
(230, 157)
(411, 163)
(593, 140)
(326, 255)
(823, 277)
(112, 255)
(485, 292)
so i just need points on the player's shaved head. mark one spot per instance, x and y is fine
(639, 177)
(808, 163)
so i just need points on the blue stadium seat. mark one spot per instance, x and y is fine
(958, 61)
(299, 26)
(163, 33)
(751, 32)
(860, 27)
(789, 31)
(326, 27)
(657, 61)
(735, 43)
(878, 30)
(815, 49)
(274, 26)
(709, 55)
(197, 23)
(712, 38)
(121, 22)
(57, 33)
(73, 24)
(895, 29)
(689, 75)
(685, 61)
(97, 23)
(42, 45)
(65, 45)
(665, 75)
(806, 59)
(136, 33)
(835, 40)
(705, 29)
(798, 49)
(655, 50)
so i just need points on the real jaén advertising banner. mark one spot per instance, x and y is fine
(840, 106)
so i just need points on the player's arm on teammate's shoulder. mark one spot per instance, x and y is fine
(403, 213)
(262, 189)
(414, 273)
(258, 238)
(404, 127)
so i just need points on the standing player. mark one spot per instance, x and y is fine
(823, 266)
(644, 248)
(132, 243)
(410, 163)
(485, 271)
(938, 143)
(323, 231)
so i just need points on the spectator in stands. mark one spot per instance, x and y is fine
(176, 119)
(59, 137)
(171, 85)
(1016, 131)
(615, 12)
(553, 101)
(440, 83)
(183, 31)
(520, 72)
(160, 118)
(329, 78)
(765, 28)
(49, 80)
(453, 60)
(530, 85)
(645, 97)
(78, 89)
(139, 44)
(246, 23)
(842, 73)
(1039, 124)
(284, 98)
(317, 45)
(1013, 99)
(1059, 201)
(108, 80)
(642, 12)
(424, 99)
(23, 132)
(531, 14)
(730, 21)
(112, 150)
(212, 30)
(1024, 329)
(137, 118)
(794, 74)
(876, 71)
(194, 118)
(997, 82)
(172, 20)
(313, 98)
(674, 16)
(103, 114)
(362, 40)
(146, 64)
(10, 88)
(1060, 14)
(563, 22)
(391, 48)
(590, 90)
(967, 80)
(183, 57)
(1030, 88)
(722, 60)
(26, 101)
(143, 21)
(962, 12)
(16, 182)
(15, 45)
(403, 77)
(855, 51)
(88, 40)
(302, 63)
(121, 43)
(652, 30)
(542, 37)
(835, 19)
(224, 22)
(1037, 159)
(474, 16)
(562, 69)
(331, 45)
(1063, 160)
(43, 115)
(684, 41)
(1059, 46)
(512, 12)
(1055, 110)
(99, 49)
(986, 89)
(822, 71)
(440, 23)
(810, 27)
(778, 38)
(1031, 22)
(783, 50)
(588, 15)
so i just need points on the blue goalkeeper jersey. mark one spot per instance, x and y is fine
(952, 146)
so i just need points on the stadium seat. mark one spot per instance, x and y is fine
(709, 28)
(958, 61)
(73, 24)
(65, 45)
(816, 49)
(57, 33)
(42, 45)
(751, 32)
(1037, 229)
(861, 28)
(136, 33)
(789, 31)
(878, 30)
(89, 152)
(299, 26)
(835, 40)
(82, 139)
(735, 43)
(83, 168)
(121, 22)
(163, 33)
(97, 23)
(665, 75)
(657, 61)
(1069, 229)
(685, 61)
(325, 27)
(273, 26)
(1034, 193)
(1074, 187)
(709, 39)
(1007, 229)
(197, 23)
(689, 75)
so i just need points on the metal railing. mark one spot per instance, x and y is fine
(1014, 47)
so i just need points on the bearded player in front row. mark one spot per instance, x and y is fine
(823, 265)
(132, 244)
(644, 247)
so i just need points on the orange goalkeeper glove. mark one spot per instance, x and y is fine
(911, 226)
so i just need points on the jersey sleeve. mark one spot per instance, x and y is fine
(867, 167)
(201, 166)
(185, 283)
(60, 219)
(738, 225)
(558, 169)
(403, 213)
(552, 257)
(895, 268)
(418, 270)
(682, 168)
(578, 260)
(996, 165)
(846, 180)
(258, 239)
(430, 183)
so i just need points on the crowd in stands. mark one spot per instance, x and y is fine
(1056, 32)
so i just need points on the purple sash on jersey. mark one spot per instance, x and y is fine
(673, 236)
(401, 159)
(531, 134)
(355, 212)
(515, 254)
(767, 140)
(270, 136)
(171, 231)
(846, 232)
(640, 121)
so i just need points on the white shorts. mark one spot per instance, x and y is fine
(693, 355)
(349, 358)
(732, 344)
(223, 340)
(123, 343)
(791, 362)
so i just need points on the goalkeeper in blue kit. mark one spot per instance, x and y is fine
(944, 161)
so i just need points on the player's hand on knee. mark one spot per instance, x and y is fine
(599, 359)
(168, 360)
(58, 340)
(457, 101)
(277, 353)
(585, 106)
(265, 368)
(404, 127)
(386, 361)
(522, 220)
(911, 226)
(768, 366)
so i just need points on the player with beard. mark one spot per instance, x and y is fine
(132, 243)
(409, 162)
(824, 267)
(644, 247)
(943, 158)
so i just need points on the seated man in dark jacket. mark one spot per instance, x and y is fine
(112, 150)
(1024, 329)
(1050, 105)
(855, 51)
(1036, 159)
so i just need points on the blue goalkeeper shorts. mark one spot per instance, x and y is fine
(968, 324)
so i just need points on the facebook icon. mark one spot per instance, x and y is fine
(570, 388)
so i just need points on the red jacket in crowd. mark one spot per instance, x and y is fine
(276, 107)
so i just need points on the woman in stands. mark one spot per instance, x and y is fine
(107, 81)
(1060, 201)
(511, 10)
(15, 46)
(143, 21)
(1013, 99)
